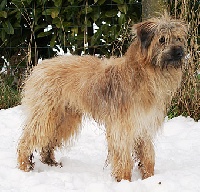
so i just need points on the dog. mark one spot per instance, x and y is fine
(129, 95)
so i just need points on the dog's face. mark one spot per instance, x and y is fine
(162, 42)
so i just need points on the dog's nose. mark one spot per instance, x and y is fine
(178, 53)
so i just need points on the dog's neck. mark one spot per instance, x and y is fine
(134, 55)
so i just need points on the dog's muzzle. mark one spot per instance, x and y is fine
(173, 58)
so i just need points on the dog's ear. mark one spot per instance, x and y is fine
(145, 32)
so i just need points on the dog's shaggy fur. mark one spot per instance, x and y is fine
(129, 95)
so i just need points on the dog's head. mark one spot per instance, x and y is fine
(162, 41)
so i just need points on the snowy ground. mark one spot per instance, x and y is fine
(177, 161)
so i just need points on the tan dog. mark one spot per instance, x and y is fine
(129, 95)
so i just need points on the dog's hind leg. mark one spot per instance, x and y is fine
(146, 156)
(47, 155)
(66, 130)
(38, 131)
(25, 152)
(45, 130)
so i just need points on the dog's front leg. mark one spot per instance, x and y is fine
(146, 156)
(121, 167)
(119, 156)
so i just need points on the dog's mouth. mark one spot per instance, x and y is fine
(172, 63)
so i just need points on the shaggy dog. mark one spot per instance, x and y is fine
(129, 95)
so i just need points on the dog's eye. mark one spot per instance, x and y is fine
(162, 40)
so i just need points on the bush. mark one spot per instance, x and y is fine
(9, 95)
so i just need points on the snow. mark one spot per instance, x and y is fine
(84, 169)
